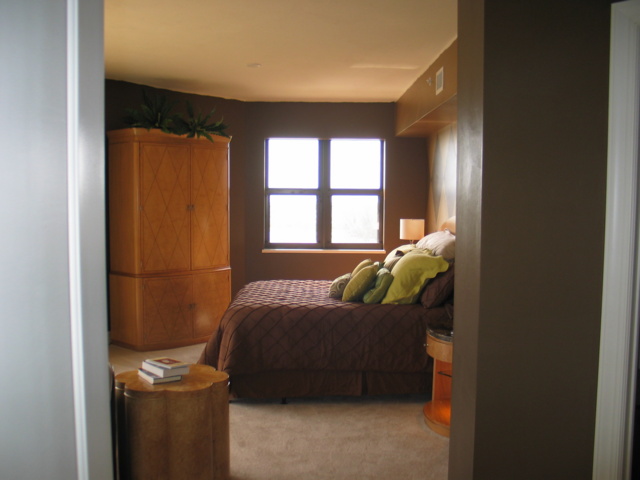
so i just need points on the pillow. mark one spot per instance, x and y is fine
(442, 243)
(396, 254)
(359, 284)
(338, 285)
(439, 289)
(410, 275)
(383, 280)
(361, 265)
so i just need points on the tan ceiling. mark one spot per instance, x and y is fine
(308, 50)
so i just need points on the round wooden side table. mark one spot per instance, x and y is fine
(177, 430)
(437, 412)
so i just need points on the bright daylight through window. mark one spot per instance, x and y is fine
(325, 194)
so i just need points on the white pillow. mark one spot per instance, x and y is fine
(440, 243)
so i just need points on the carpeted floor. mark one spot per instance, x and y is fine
(323, 438)
(335, 438)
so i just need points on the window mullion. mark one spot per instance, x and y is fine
(324, 199)
(346, 191)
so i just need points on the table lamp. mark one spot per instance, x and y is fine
(411, 229)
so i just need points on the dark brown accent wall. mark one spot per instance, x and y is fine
(532, 144)
(250, 124)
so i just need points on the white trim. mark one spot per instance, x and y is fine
(75, 275)
(619, 326)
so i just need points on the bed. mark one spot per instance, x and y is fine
(289, 338)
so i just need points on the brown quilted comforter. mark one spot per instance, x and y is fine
(279, 326)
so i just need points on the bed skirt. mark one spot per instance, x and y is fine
(284, 384)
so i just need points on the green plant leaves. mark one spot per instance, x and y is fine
(156, 110)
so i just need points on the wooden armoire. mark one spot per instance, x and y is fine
(169, 273)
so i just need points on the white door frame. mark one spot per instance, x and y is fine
(86, 237)
(619, 330)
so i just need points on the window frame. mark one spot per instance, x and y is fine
(323, 194)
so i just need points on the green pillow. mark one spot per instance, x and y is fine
(410, 275)
(359, 284)
(383, 281)
(361, 265)
(338, 285)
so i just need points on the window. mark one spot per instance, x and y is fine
(325, 194)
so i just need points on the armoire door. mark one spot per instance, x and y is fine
(210, 198)
(165, 207)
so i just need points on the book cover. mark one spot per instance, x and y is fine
(166, 362)
(165, 367)
(155, 379)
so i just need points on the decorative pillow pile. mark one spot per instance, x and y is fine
(400, 280)
(410, 275)
(442, 243)
(338, 285)
(384, 278)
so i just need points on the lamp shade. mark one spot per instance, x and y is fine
(411, 228)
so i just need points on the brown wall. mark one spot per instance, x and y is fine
(532, 144)
(443, 160)
(252, 122)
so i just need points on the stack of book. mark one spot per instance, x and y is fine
(162, 370)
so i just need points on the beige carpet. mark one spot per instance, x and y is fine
(339, 438)
(323, 438)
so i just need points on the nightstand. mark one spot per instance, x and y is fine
(173, 430)
(437, 412)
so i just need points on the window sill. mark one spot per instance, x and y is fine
(318, 250)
